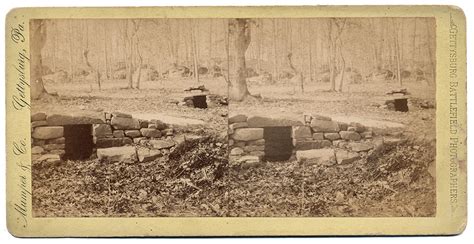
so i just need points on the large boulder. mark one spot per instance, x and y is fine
(316, 156)
(319, 125)
(248, 134)
(120, 123)
(259, 121)
(126, 154)
(48, 132)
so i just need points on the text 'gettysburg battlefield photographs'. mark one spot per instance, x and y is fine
(301, 117)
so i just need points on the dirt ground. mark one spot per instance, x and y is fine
(400, 183)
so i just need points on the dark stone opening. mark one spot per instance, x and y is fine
(401, 104)
(278, 143)
(200, 101)
(79, 141)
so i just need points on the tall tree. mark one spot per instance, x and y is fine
(241, 31)
(38, 39)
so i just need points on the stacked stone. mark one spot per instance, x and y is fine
(48, 143)
(246, 144)
(122, 129)
(326, 132)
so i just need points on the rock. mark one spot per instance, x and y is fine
(160, 125)
(231, 142)
(351, 128)
(143, 123)
(259, 121)
(236, 151)
(249, 162)
(259, 154)
(48, 132)
(237, 118)
(76, 119)
(38, 116)
(377, 150)
(37, 142)
(108, 142)
(238, 125)
(393, 141)
(248, 134)
(240, 144)
(167, 132)
(360, 146)
(258, 142)
(324, 126)
(59, 152)
(342, 125)
(37, 150)
(367, 134)
(147, 155)
(254, 148)
(152, 126)
(50, 158)
(118, 133)
(346, 157)
(127, 141)
(60, 140)
(121, 115)
(101, 130)
(358, 126)
(153, 133)
(332, 136)
(54, 146)
(315, 144)
(162, 144)
(320, 117)
(139, 139)
(38, 123)
(339, 143)
(318, 136)
(117, 154)
(125, 123)
(133, 133)
(301, 132)
(316, 156)
(350, 135)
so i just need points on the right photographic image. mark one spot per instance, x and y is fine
(332, 117)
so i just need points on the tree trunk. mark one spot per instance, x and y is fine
(38, 38)
(195, 54)
(71, 54)
(239, 89)
(92, 69)
(275, 64)
(227, 51)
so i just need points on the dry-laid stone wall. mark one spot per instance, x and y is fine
(317, 140)
(115, 136)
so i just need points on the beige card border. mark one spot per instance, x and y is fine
(451, 175)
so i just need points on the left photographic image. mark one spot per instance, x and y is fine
(128, 116)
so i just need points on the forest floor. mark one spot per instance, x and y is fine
(400, 183)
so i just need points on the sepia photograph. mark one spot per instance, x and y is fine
(233, 117)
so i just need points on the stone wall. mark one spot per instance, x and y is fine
(317, 139)
(111, 134)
